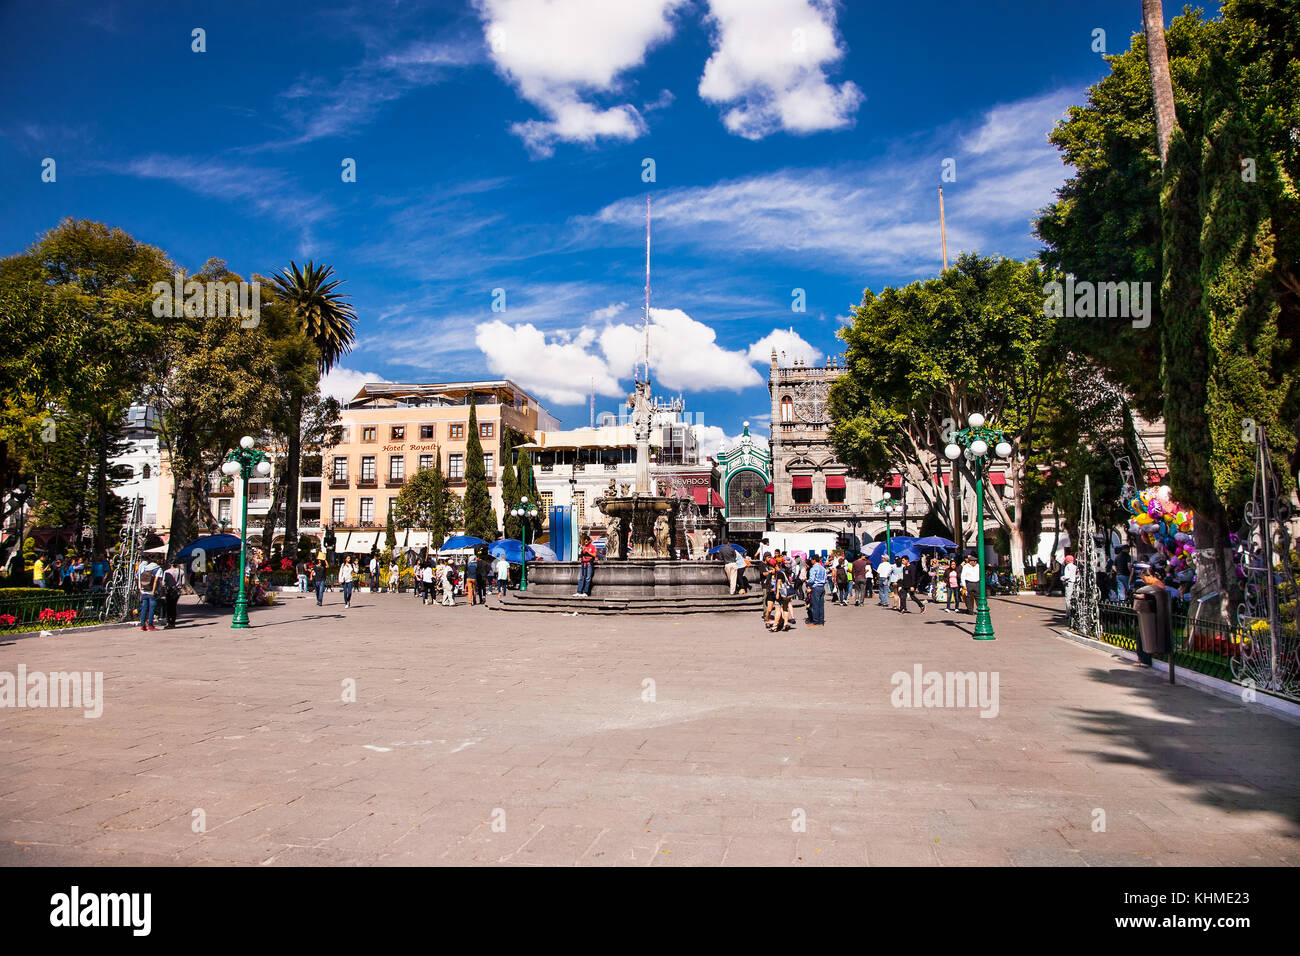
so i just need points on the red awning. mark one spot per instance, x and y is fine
(683, 492)
(801, 483)
(700, 494)
(834, 481)
(946, 478)
(998, 478)
(893, 481)
(769, 489)
(717, 499)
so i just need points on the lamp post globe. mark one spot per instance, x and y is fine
(1003, 449)
(246, 442)
(976, 420)
(952, 452)
(979, 448)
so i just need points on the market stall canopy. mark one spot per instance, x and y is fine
(458, 541)
(899, 545)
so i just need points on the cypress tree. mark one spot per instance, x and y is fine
(480, 519)
(509, 490)
(527, 485)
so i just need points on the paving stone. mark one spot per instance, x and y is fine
(545, 722)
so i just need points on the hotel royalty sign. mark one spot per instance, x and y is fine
(403, 446)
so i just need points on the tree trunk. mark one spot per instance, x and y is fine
(182, 509)
(1162, 89)
(101, 489)
(292, 471)
(268, 525)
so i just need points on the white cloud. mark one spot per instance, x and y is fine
(713, 439)
(883, 213)
(561, 370)
(684, 354)
(557, 52)
(789, 345)
(769, 64)
(343, 383)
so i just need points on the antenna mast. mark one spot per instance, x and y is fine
(647, 289)
(943, 231)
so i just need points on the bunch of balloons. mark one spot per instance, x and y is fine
(1165, 523)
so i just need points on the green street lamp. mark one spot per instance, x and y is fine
(890, 506)
(975, 442)
(523, 510)
(245, 461)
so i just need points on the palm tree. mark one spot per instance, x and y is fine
(1162, 89)
(329, 322)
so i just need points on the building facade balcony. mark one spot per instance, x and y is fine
(367, 482)
(338, 482)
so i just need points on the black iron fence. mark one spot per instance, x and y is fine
(52, 611)
(1205, 646)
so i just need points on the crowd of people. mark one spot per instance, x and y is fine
(70, 572)
(434, 578)
(789, 577)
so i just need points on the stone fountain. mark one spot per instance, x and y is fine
(641, 524)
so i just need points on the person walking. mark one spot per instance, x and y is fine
(481, 569)
(471, 579)
(38, 571)
(503, 574)
(1123, 573)
(374, 573)
(970, 583)
(843, 580)
(586, 566)
(447, 584)
(173, 580)
(884, 574)
(394, 577)
(784, 593)
(427, 574)
(913, 584)
(345, 580)
(1068, 577)
(318, 575)
(817, 593)
(301, 568)
(149, 575)
(861, 579)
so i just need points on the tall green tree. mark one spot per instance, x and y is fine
(324, 319)
(480, 518)
(526, 487)
(923, 357)
(509, 480)
(1203, 206)
(102, 280)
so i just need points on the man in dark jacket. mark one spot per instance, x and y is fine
(912, 585)
(481, 578)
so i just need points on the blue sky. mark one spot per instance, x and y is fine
(500, 144)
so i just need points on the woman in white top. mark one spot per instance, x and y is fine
(426, 575)
(345, 579)
(502, 567)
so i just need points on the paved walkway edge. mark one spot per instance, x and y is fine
(1275, 706)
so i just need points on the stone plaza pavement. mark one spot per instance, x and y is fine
(478, 737)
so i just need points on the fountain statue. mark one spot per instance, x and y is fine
(649, 520)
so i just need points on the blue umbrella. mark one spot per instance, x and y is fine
(512, 549)
(209, 544)
(721, 546)
(934, 541)
(898, 544)
(456, 542)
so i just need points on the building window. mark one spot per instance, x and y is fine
(339, 511)
(487, 465)
(368, 433)
(456, 466)
(392, 503)
(486, 429)
(746, 496)
(340, 471)
(398, 433)
(223, 510)
(548, 499)
(835, 496)
(396, 467)
(579, 506)
(457, 431)
(787, 409)
(367, 510)
(144, 472)
(426, 461)
(426, 432)
(368, 468)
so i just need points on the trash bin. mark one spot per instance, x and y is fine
(1154, 624)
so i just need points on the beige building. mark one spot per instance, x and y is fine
(391, 431)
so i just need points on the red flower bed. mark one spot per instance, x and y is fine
(59, 617)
